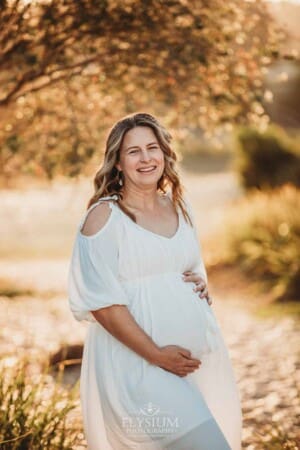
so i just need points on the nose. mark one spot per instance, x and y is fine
(145, 155)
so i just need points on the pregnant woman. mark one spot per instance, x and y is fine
(156, 373)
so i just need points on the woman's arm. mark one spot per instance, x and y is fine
(120, 323)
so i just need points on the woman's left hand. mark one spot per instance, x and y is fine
(200, 284)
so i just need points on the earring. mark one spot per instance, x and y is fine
(120, 179)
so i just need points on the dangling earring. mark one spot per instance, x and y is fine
(120, 178)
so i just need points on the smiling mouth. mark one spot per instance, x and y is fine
(147, 169)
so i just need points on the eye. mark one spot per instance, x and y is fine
(132, 151)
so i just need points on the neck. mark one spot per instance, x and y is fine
(141, 200)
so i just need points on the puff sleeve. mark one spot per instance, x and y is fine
(200, 266)
(93, 271)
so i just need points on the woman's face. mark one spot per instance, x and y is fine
(140, 150)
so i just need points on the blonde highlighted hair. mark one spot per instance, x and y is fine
(106, 181)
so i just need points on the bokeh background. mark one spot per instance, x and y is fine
(224, 78)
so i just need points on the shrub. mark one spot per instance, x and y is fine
(267, 159)
(262, 236)
(35, 410)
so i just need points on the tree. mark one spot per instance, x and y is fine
(197, 61)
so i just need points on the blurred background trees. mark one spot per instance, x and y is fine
(70, 68)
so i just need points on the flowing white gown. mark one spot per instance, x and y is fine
(127, 402)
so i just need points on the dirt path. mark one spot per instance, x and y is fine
(265, 356)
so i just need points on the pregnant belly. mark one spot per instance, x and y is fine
(168, 309)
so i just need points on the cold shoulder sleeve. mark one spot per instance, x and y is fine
(93, 272)
(200, 267)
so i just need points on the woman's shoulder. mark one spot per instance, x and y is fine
(100, 219)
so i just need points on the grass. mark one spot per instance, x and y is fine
(8, 288)
(12, 289)
(247, 291)
(35, 410)
(291, 309)
(261, 235)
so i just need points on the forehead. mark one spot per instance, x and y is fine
(141, 135)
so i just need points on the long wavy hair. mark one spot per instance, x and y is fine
(107, 178)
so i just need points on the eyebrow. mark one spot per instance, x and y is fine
(136, 146)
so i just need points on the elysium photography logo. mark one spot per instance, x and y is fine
(149, 419)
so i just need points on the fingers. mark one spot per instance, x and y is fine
(186, 370)
(192, 276)
(195, 278)
(187, 354)
(183, 372)
(202, 288)
(184, 352)
(192, 365)
(181, 362)
(200, 285)
(209, 300)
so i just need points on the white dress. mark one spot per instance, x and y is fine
(127, 402)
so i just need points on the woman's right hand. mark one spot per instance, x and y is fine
(177, 360)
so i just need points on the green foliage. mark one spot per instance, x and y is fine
(277, 310)
(175, 43)
(73, 68)
(262, 236)
(267, 159)
(34, 411)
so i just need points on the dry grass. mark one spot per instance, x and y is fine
(36, 411)
(261, 235)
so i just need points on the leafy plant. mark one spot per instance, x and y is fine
(267, 159)
(262, 235)
(35, 411)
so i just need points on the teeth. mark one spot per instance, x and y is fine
(146, 170)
